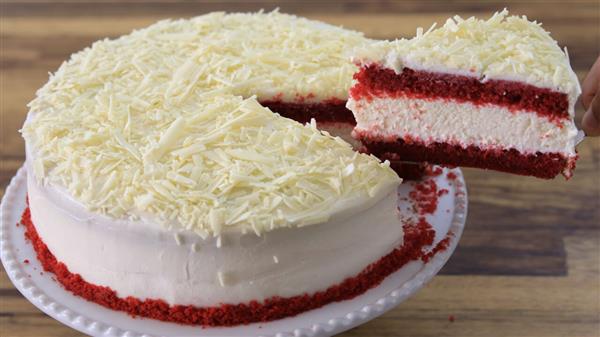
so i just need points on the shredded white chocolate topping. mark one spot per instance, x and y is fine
(151, 124)
(502, 47)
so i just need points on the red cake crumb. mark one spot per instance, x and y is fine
(417, 236)
(433, 171)
(375, 81)
(541, 165)
(451, 318)
(451, 176)
(26, 261)
(425, 197)
(442, 245)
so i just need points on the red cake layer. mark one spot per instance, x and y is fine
(541, 165)
(332, 110)
(417, 236)
(375, 81)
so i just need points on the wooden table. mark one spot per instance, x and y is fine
(529, 261)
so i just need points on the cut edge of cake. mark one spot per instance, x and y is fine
(495, 94)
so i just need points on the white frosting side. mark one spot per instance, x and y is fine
(502, 47)
(486, 126)
(144, 260)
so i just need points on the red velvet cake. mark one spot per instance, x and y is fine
(496, 94)
(160, 186)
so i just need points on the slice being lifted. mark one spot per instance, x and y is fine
(496, 94)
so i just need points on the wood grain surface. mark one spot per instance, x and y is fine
(529, 261)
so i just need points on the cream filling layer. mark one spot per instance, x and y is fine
(144, 260)
(486, 126)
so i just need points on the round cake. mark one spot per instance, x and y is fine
(160, 184)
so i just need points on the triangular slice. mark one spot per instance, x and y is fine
(496, 94)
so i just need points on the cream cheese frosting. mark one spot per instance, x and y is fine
(141, 258)
(463, 123)
(151, 125)
(502, 47)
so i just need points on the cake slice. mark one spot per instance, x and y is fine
(496, 94)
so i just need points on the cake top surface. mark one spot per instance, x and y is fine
(150, 125)
(502, 47)
(270, 55)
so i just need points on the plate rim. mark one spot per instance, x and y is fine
(328, 326)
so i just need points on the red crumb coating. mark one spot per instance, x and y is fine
(541, 165)
(417, 237)
(433, 171)
(331, 110)
(441, 246)
(374, 80)
(425, 197)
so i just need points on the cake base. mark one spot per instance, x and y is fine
(42, 289)
(541, 165)
(410, 171)
(417, 237)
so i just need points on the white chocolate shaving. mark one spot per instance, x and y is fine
(178, 239)
(224, 279)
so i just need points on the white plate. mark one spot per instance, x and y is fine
(90, 318)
